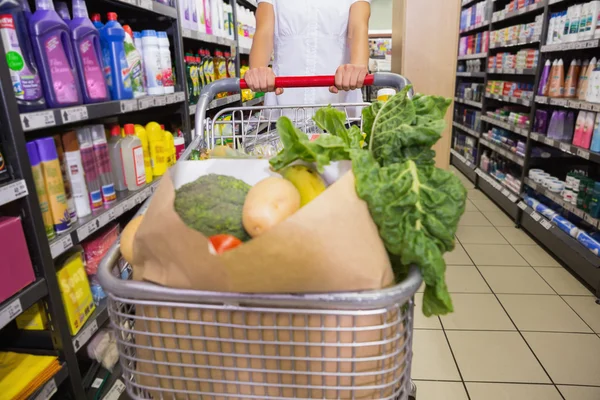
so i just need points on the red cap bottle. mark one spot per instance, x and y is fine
(115, 130)
(129, 129)
(112, 16)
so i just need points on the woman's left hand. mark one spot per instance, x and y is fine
(349, 77)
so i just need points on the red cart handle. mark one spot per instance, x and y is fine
(307, 81)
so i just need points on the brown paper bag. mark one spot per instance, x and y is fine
(330, 245)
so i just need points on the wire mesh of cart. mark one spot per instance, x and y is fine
(189, 344)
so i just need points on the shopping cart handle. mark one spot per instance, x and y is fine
(307, 81)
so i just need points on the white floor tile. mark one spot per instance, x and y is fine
(505, 391)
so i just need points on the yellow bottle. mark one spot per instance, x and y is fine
(170, 146)
(156, 142)
(140, 132)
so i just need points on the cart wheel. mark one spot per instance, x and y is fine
(413, 391)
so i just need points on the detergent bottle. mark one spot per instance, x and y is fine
(158, 154)
(140, 132)
(88, 55)
(169, 146)
(22, 68)
(55, 56)
(97, 21)
(134, 60)
(117, 73)
(63, 10)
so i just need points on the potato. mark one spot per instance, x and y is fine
(127, 237)
(268, 203)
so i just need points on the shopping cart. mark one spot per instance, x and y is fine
(188, 344)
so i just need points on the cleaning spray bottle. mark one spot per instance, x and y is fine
(118, 75)
(134, 60)
(55, 56)
(88, 55)
(23, 70)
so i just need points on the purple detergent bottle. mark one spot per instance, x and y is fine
(22, 68)
(63, 10)
(54, 55)
(88, 55)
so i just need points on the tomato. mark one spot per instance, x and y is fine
(221, 243)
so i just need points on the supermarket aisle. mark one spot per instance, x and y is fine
(523, 327)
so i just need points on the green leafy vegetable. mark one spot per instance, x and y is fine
(415, 205)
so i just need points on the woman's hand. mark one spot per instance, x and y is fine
(349, 77)
(261, 80)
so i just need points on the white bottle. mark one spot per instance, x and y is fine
(585, 12)
(166, 67)
(152, 63)
(592, 20)
(201, 17)
(132, 154)
(575, 23)
(592, 83)
(77, 178)
(551, 24)
(595, 6)
(563, 26)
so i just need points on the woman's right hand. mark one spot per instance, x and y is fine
(261, 79)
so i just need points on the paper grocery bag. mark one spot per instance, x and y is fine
(330, 245)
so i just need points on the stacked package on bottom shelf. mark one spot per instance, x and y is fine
(22, 374)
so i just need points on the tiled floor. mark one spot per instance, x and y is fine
(523, 328)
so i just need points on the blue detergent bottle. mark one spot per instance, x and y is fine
(22, 67)
(88, 55)
(116, 68)
(54, 56)
(97, 21)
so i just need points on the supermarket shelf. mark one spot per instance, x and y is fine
(467, 3)
(512, 71)
(509, 99)
(514, 43)
(63, 116)
(519, 130)
(566, 147)
(218, 103)
(499, 193)
(114, 386)
(91, 326)
(206, 38)
(585, 44)
(503, 152)
(87, 226)
(471, 74)
(248, 3)
(470, 131)
(525, 10)
(572, 253)
(468, 102)
(244, 50)
(13, 191)
(150, 5)
(463, 165)
(472, 56)
(49, 388)
(11, 308)
(475, 27)
(253, 102)
(568, 103)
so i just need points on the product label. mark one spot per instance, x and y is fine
(134, 61)
(166, 69)
(94, 77)
(63, 79)
(139, 166)
(77, 179)
(108, 193)
(56, 195)
(153, 68)
(125, 73)
(25, 80)
(107, 68)
(222, 70)
(195, 81)
(96, 199)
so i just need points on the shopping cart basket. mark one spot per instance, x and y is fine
(189, 344)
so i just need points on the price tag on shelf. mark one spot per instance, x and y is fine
(546, 224)
(534, 136)
(583, 154)
(179, 97)
(170, 98)
(115, 391)
(84, 335)
(88, 229)
(505, 192)
(160, 101)
(565, 147)
(13, 191)
(132, 2)
(74, 114)
(186, 33)
(559, 102)
(60, 246)
(548, 141)
(513, 198)
(536, 216)
(48, 391)
(578, 212)
(10, 312)
(146, 103)
(590, 220)
(146, 4)
(37, 120)
(129, 106)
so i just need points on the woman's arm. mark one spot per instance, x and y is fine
(260, 77)
(352, 76)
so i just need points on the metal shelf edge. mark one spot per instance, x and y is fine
(50, 387)
(14, 306)
(91, 326)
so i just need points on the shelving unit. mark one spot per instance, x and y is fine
(18, 196)
(572, 253)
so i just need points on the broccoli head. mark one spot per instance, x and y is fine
(213, 205)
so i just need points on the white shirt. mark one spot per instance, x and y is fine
(311, 38)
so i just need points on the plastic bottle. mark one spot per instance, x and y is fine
(230, 65)
(152, 63)
(88, 55)
(118, 75)
(593, 91)
(588, 130)
(40, 188)
(595, 146)
(557, 84)
(156, 141)
(132, 154)
(579, 128)
(208, 68)
(23, 70)
(583, 88)
(97, 21)
(90, 168)
(545, 79)
(134, 61)
(76, 174)
(103, 163)
(65, 176)
(169, 146)
(571, 80)
(116, 162)
(140, 132)
(582, 77)
(199, 61)
(165, 63)
(55, 57)
(179, 143)
(190, 70)
(585, 13)
(55, 187)
(63, 10)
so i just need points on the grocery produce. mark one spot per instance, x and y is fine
(127, 237)
(213, 205)
(416, 206)
(268, 203)
(306, 180)
(219, 244)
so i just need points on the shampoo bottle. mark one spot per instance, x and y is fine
(55, 56)
(40, 188)
(588, 130)
(579, 128)
(583, 87)
(557, 84)
(545, 79)
(595, 146)
(568, 127)
(118, 76)
(88, 55)
(571, 80)
(22, 68)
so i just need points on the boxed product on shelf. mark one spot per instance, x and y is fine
(505, 139)
(502, 170)
(576, 23)
(75, 290)
(94, 249)
(33, 319)
(468, 117)
(519, 90)
(16, 269)
(510, 115)
(476, 14)
(469, 91)
(474, 44)
(525, 32)
(466, 145)
(523, 59)
(514, 5)
(470, 66)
